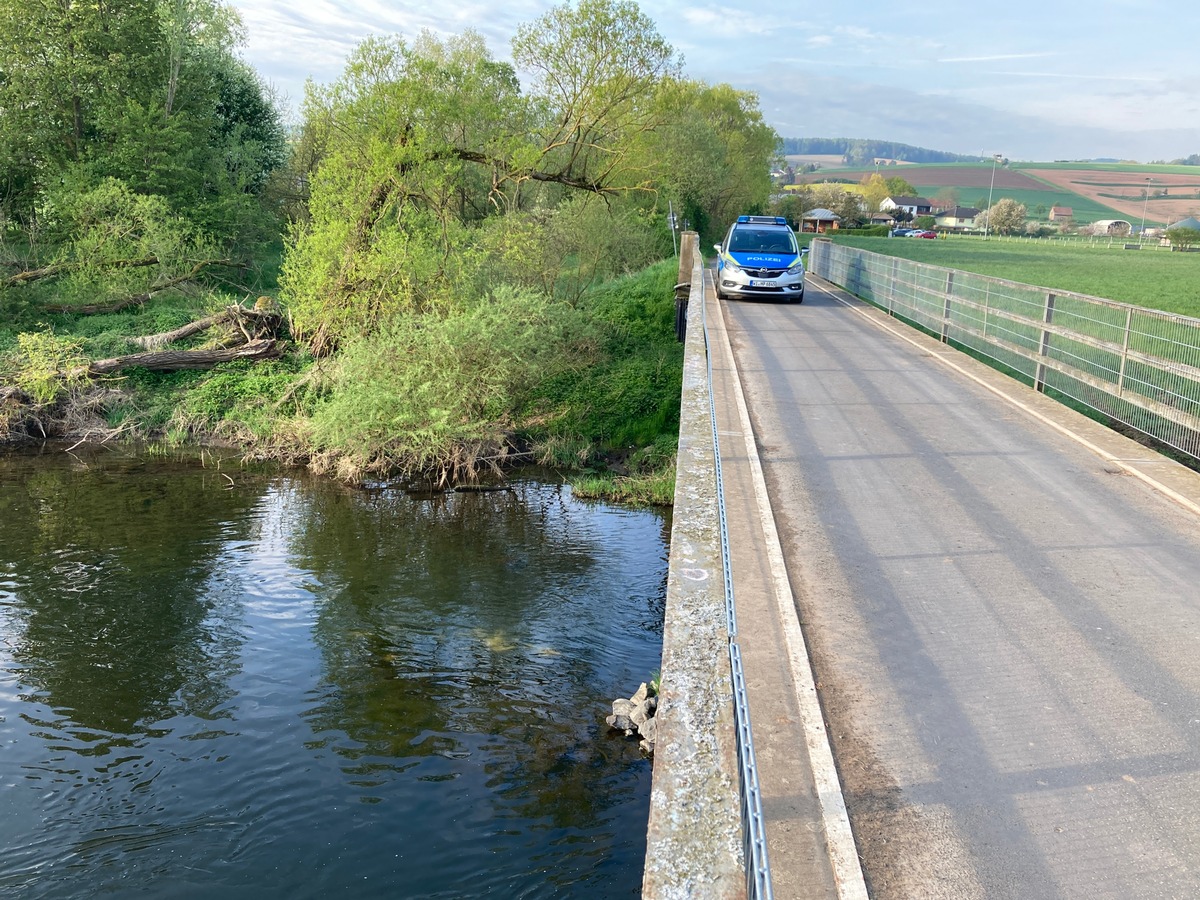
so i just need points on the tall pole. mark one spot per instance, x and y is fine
(671, 222)
(987, 223)
(1145, 203)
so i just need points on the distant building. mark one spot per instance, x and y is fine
(1189, 222)
(818, 221)
(914, 206)
(958, 218)
(1060, 213)
(1112, 226)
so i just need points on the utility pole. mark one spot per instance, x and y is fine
(987, 223)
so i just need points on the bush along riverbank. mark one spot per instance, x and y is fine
(444, 269)
(590, 387)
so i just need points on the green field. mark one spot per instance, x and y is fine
(1156, 279)
(1037, 202)
(1027, 183)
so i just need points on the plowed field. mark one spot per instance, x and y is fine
(1123, 191)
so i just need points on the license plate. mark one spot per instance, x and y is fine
(761, 283)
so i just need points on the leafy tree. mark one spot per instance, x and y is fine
(63, 66)
(1006, 216)
(419, 143)
(1183, 238)
(792, 205)
(593, 67)
(898, 187)
(847, 204)
(875, 191)
(146, 91)
(712, 155)
(947, 197)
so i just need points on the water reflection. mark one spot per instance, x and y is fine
(295, 689)
(120, 616)
(484, 674)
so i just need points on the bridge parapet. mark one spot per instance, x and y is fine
(694, 841)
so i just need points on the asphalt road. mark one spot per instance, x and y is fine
(1002, 610)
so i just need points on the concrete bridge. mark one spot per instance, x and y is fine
(956, 624)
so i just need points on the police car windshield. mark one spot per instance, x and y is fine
(775, 241)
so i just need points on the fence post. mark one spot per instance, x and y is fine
(1124, 352)
(1039, 382)
(946, 307)
(891, 308)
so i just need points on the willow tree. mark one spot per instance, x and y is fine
(421, 141)
(714, 152)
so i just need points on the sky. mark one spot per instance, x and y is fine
(1056, 79)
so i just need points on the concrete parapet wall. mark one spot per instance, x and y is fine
(694, 842)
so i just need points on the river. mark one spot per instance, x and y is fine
(216, 682)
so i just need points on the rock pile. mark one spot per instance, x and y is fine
(636, 716)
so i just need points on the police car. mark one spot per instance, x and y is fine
(760, 258)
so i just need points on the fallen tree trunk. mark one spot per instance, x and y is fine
(248, 320)
(176, 360)
(58, 268)
(139, 299)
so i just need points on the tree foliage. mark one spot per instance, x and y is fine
(875, 191)
(1183, 238)
(898, 187)
(420, 144)
(1006, 216)
(712, 153)
(147, 92)
(858, 152)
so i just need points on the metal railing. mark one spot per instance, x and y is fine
(1136, 366)
(754, 832)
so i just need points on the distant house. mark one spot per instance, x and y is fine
(914, 206)
(1060, 213)
(959, 218)
(818, 221)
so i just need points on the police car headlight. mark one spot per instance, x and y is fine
(797, 268)
(730, 263)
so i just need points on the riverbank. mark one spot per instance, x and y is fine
(590, 388)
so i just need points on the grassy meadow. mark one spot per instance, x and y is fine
(1152, 278)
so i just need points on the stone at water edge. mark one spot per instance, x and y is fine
(649, 732)
(642, 693)
(621, 723)
(643, 712)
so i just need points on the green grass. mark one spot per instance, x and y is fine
(1152, 278)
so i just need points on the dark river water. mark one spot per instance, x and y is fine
(218, 683)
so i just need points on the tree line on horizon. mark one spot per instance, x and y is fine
(858, 152)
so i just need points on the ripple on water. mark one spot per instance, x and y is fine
(297, 690)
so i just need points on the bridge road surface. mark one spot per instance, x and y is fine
(1002, 610)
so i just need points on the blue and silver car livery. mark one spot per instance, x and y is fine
(760, 258)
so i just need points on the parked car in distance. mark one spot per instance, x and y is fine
(901, 232)
(760, 258)
(919, 233)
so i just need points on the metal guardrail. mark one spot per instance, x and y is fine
(754, 833)
(1137, 366)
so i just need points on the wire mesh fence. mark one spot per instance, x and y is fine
(1138, 367)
